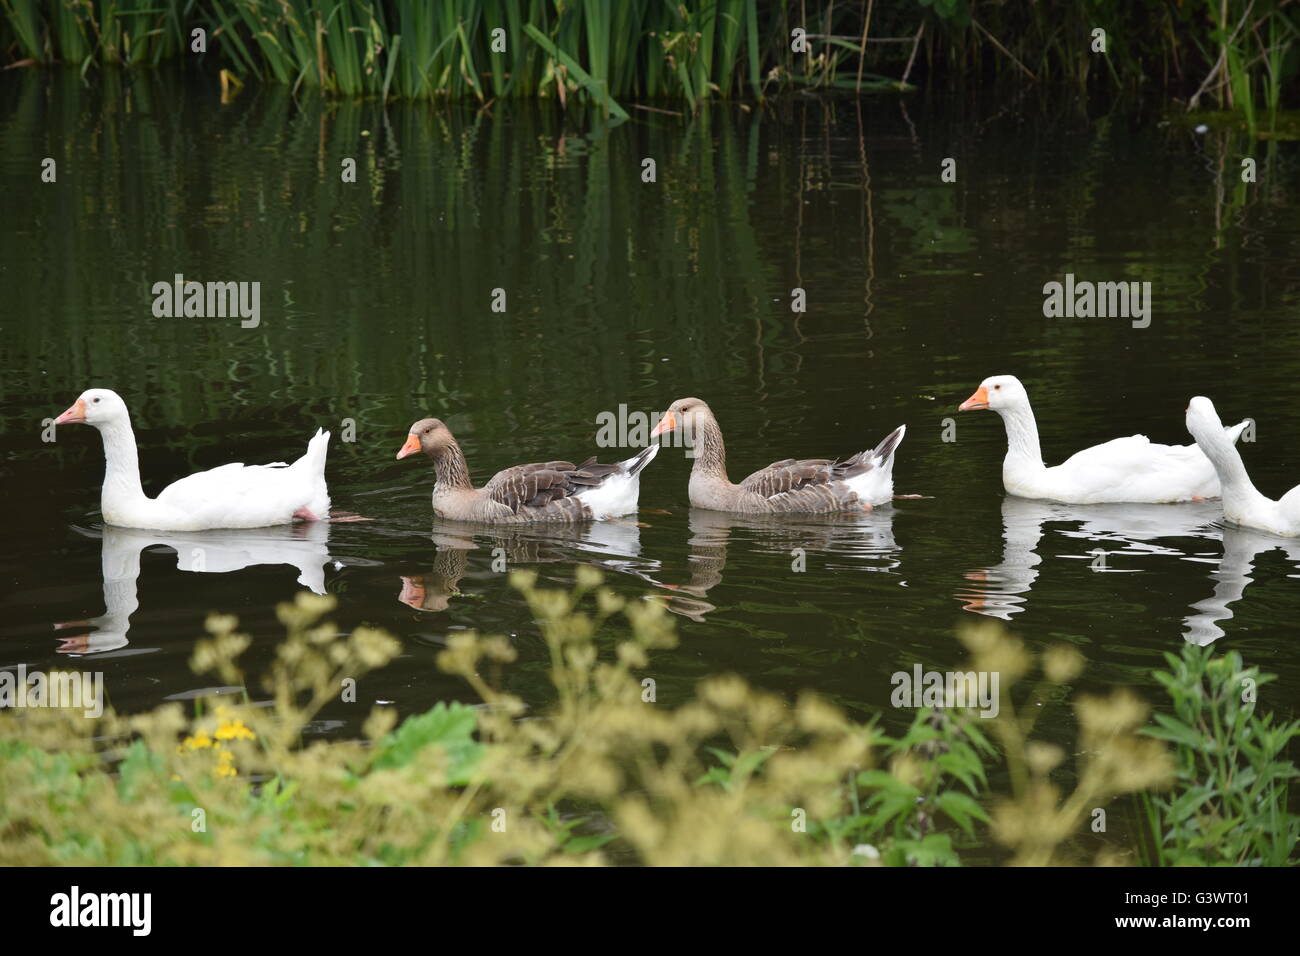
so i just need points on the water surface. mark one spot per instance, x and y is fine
(376, 308)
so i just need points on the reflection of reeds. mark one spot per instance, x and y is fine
(576, 230)
(380, 289)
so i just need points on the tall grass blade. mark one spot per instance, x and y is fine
(595, 89)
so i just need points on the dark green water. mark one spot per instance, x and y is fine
(376, 307)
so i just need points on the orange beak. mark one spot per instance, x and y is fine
(76, 414)
(412, 592)
(666, 424)
(411, 447)
(979, 400)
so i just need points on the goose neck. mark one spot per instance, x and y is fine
(450, 468)
(1237, 490)
(1023, 448)
(710, 452)
(121, 468)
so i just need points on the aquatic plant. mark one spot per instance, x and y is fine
(1242, 53)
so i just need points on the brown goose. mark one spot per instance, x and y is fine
(544, 491)
(808, 486)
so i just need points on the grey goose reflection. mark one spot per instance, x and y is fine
(612, 545)
(867, 540)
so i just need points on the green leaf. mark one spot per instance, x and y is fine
(727, 758)
(934, 850)
(1176, 731)
(750, 762)
(139, 764)
(878, 778)
(962, 809)
(450, 727)
(719, 775)
(584, 844)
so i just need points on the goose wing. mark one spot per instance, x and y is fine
(791, 474)
(1135, 453)
(1135, 468)
(541, 484)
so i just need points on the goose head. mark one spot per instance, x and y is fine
(685, 413)
(418, 594)
(997, 393)
(428, 435)
(1203, 421)
(95, 406)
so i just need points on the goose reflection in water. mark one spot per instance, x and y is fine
(1240, 547)
(303, 546)
(849, 535)
(613, 544)
(1129, 529)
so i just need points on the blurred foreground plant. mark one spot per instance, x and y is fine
(607, 773)
(1037, 818)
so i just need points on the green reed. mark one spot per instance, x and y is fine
(1242, 55)
(72, 21)
(141, 31)
(25, 29)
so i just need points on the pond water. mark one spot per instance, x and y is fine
(376, 307)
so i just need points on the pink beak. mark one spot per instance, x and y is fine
(76, 414)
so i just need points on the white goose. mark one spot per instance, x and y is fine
(1132, 469)
(1242, 503)
(231, 496)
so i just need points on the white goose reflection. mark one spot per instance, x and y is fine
(303, 546)
(614, 545)
(1240, 546)
(853, 536)
(1114, 529)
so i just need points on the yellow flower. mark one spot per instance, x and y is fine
(225, 764)
(198, 742)
(234, 730)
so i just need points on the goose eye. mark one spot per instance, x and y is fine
(95, 400)
(996, 387)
